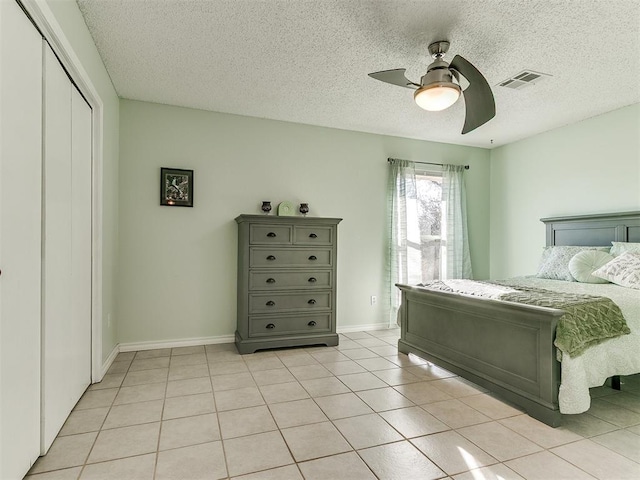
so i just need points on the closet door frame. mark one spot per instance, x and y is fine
(45, 21)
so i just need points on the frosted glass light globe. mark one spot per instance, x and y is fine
(437, 97)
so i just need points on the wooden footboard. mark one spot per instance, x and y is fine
(503, 346)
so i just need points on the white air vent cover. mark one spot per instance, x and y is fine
(523, 79)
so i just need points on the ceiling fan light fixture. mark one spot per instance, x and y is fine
(440, 87)
(437, 96)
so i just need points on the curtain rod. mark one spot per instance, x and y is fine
(466, 167)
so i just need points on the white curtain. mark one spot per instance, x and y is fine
(457, 257)
(401, 187)
(404, 250)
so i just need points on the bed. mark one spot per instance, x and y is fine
(508, 347)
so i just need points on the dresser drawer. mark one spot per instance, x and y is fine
(270, 234)
(306, 235)
(289, 302)
(289, 280)
(290, 257)
(274, 326)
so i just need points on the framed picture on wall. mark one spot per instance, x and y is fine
(176, 187)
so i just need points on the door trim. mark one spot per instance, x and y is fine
(45, 21)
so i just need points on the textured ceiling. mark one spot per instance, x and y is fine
(307, 61)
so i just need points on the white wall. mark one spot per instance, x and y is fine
(177, 275)
(70, 19)
(588, 167)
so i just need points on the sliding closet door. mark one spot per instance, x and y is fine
(66, 321)
(20, 234)
(79, 369)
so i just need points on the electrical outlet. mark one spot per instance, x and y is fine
(374, 299)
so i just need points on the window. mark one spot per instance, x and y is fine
(428, 234)
(425, 229)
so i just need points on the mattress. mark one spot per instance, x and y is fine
(616, 356)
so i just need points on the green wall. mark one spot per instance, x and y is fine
(177, 274)
(169, 273)
(588, 167)
(70, 19)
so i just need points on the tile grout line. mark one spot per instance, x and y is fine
(164, 400)
(105, 419)
(331, 420)
(565, 460)
(215, 407)
(295, 462)
(357, 452)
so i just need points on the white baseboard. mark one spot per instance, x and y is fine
(364, 328)
(107, 363)
(191, 342)
(185, 342)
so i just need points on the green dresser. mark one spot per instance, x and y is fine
(286, 282)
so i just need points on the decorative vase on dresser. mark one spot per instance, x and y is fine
(286, 282)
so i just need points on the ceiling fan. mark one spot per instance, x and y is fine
(440, 87)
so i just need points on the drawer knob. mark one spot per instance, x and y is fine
(312, 323)
(312, 280)
(270, 326)
(311, 302)
(270, 303)
(313, 235)
(313, 257)
(271, 280)
(271, 235)
(271, 258)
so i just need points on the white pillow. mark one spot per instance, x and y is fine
(620, 247)
(554, 263)
(623, 270)
(583, 264)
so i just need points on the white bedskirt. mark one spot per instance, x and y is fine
(617, 356)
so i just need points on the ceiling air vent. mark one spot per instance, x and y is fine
(523, 79)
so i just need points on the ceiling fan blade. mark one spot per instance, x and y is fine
(394, 77)
(478, 99)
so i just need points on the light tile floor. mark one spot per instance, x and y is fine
(356, 411)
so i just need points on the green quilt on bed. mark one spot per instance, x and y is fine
(588, 319)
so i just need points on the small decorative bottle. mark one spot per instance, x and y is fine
(266, 207)
(304, 209)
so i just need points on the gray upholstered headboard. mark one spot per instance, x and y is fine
(593, 230)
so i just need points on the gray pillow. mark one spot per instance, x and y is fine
(554, 263)
(620, 247)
